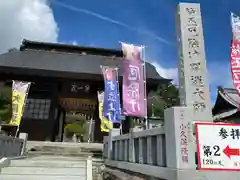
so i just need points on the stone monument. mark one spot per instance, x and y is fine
(194, 86)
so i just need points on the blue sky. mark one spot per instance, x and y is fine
(151, 23)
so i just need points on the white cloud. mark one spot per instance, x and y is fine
(29, 19)
(75, 43)
(170, 73)
(219, 74)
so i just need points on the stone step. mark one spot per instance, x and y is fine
(65, 149)
(90, 146)
(76, 153)
(51, 163)
(67, 152)
(44, 171)
(59, 153)
(40, 177)
(52, 148)
(60, 158)
(47, 163)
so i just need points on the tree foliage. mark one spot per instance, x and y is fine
(5, 104)
(169, 94)
(166, 96)
(78, 128)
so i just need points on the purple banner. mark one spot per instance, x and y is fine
(134, 94)
(132, 52)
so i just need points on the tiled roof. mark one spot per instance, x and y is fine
(63, 59)
(68, 48)
(227, 103)
(230, 95)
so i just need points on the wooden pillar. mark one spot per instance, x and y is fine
(126, 125)
(97, 128)
(64, 123)
(57, 120)
(52, 112)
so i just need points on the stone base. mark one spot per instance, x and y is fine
(128, 171)
(116, 174)
(4, 162)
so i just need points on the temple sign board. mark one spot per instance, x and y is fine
(218, 146)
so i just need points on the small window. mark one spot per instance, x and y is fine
(37, 109)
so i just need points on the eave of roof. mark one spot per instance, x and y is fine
(230, 99)
(225, 114)
(67, 48)
(60, 62)
(231, 96)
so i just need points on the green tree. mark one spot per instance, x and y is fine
(167, 95)
(78, 128)
(156, 105)
(5, 104)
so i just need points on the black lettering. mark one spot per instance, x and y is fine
(235, 133)
(223, 133)
(200, 93)
(217, 149)
(191, 11)
(207, 151)
(208, 161)
(16, 98)
(197, 81)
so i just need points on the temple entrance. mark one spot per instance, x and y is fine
(76, 122)
(62, 94)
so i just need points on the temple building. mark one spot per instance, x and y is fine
(226, 108)
(64, 84)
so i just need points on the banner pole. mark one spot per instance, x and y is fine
(25, 100)
(118, 96)
(145, 87)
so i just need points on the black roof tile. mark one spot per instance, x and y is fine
(67, 59)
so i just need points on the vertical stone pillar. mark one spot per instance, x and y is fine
(112, 133)
(131, 147)
(194, 86)
(89, 169)
(24, 137)
(180, 147)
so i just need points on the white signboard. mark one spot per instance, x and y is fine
(218, 146)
